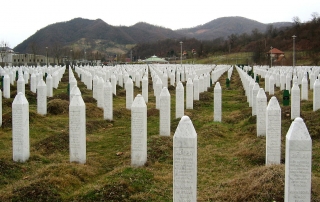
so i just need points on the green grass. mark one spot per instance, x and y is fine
(230, 156)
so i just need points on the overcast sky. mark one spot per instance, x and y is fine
(22, 18)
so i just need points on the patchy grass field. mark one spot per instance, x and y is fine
(230, 156)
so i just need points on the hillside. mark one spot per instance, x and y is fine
(98, 35)
(225, 26)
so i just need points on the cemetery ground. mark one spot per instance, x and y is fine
(231, 158)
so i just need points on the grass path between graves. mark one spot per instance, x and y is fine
(231, 157)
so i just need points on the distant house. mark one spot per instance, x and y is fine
(276, 54)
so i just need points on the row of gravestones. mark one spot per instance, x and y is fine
(20, 116)
(24, 74)
(20, 131)
(298, 141)
(184, 150)
(43, 89)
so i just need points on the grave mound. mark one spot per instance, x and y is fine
(54, 143)
(259, 184)
(58, 106)
(160, 149)
(37, 191)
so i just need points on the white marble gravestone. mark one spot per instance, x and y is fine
(49, 85)
(165, 115)
(145, 88)
(33, 83)
(21, 85)
(261, 102)
(201, 84)
(298, 163)
(282, 81)
(137, 79)
(217, 105)
(100, 97)
(177, 77)
(138, 132)
(273, 132)
(6, 86)
(0, 108)
(251, 84)
(295, 101)
(185, 161)
(271, 85)
(179, 100)
(316, 95)
(189, 94)
(26, 77)
(304, 88)
(255, 91)
(77, 129)
(114, 84)
(266, 83)
(107, 101)
(94, 87)
(129, 93)
(73, 91)
(158, 91)
(196, 88)
(20, 128)
(288, 82)
(42, 97)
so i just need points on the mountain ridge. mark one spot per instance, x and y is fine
(97, 35)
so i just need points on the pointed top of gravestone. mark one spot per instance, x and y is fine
(75, 90)
(164, 92)
(20, 99)
(77, 100)
(217, 86)
(261, 94)
(271, 77)
(159, 81)
(185, 129)
(273, 104)
(108, 84)
(316, 82)
(145, 77)
(298, 130)
(138, 102)
(256, 86)
(305, 79)
(179, 86)
(189, 81)
(129, 81)
(295, 86)
(41, 83)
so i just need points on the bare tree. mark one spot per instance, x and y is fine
(315, 17)
(3, 52)
(57, 51)
(34, 49)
